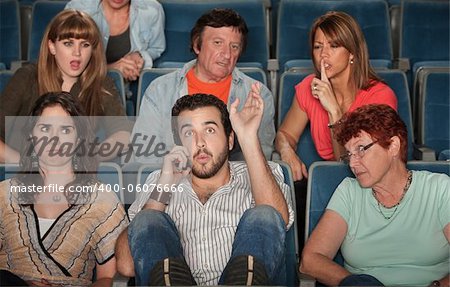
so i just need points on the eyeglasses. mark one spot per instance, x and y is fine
(358, 153)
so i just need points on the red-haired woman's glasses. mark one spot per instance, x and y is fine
(358, 153)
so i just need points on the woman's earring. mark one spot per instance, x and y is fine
(34, 160)
(351, 62)
(75, 162)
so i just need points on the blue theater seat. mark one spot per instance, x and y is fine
(42, 13)
(10, 42)
(295, 18)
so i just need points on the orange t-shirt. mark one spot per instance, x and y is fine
(220, 89)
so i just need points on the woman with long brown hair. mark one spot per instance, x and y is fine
(343, 80)
(72, 60)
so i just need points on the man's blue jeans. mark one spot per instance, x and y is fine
(261, 232)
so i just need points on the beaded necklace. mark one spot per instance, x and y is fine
(405, 189)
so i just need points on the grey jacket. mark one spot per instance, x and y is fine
(154, 118)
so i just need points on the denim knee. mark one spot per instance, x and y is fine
(149, 220)
(264, 215)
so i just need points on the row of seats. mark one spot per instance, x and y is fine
(294, 19)
(324, 177)
(430, 127)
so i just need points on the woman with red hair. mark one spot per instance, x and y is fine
(390, 223)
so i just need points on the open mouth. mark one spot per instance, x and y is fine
(75, 65)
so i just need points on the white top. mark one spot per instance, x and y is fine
(44, 225)
(207, 231)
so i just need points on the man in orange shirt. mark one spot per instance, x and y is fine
(218, 39)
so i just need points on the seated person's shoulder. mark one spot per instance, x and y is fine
(27, 70)
(88, 6)
(306, 82)
(149, 5)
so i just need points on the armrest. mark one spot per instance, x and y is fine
(306, 280)
(424, 153)
(402, 64)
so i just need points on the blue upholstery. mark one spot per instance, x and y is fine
(425, 33)
(292, 253)
(255, 73)
(10, 43)
(324, 177)
(397, 81)
(120, 85)
(116, 76)
(41, 15)
(307, 63)
(419, 70)
(305, 146)
(295, 18)
(434, 111)
(425, 30)
(181, 16)
(146, 77)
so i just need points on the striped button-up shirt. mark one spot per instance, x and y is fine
(207, 230)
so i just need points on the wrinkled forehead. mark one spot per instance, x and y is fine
(230, 33)
(55, 115)
(361, 137)
(199, 117)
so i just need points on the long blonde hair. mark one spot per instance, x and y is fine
(341, 29)
(79, 25)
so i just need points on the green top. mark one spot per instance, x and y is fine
(410, 248)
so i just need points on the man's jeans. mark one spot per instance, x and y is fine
(261, 233)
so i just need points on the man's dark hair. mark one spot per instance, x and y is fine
(217, 18)
(196, 101)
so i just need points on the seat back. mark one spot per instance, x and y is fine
(397, 81)
(147, 76)
(324, 178)
(305, 147)
(295, 18)
(116, 76)
(10, 41)
(434, 110)
(419, 40)
(42, 13)
(181, 16)
(255, 73)
(292, 252)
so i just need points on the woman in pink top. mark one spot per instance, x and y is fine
(343, 81)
